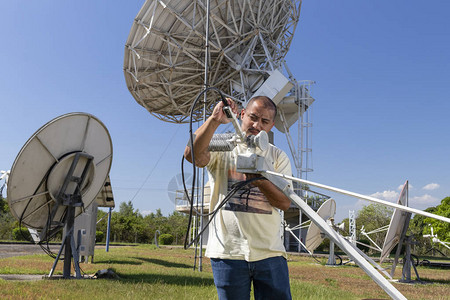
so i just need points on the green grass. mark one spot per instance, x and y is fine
(147, 272)
(311, 291)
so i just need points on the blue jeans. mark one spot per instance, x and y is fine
(233, 278)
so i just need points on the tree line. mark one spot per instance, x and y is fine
(128, 225)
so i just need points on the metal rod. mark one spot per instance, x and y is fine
(206, 85)
(28, 197)
(338, 239)
(298, 240)
(363, 197)
(108, 230)
(380, 268)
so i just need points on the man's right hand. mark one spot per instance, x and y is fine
(206, 131)
(219, 116)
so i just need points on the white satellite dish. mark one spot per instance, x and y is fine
(58, 173)
(4, 175)
(399, 223)
(396, 235)
(341, 227)
(164, 54)
(314, 236)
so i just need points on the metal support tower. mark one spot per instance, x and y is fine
(305, 128)
(352, 226)
(302, 150)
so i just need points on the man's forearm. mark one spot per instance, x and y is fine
(203, 136)
(275, 197)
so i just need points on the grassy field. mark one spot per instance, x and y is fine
(147, 272)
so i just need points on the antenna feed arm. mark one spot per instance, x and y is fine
(255, 164)
(261, 140)
(282, 184)
(249, 163)
(232, 117)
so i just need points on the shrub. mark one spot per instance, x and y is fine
(165, 239)
(21, 234)
(99, 235)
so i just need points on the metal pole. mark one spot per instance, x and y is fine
(360, 196)
(334, 236)
(206, 83)
(352, 253)
(331, 260)
(108, 230)
(67, 241)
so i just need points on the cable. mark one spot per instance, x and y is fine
(234, 188)
(28, 203)
(49, 231)
(156, 164)
(191, 145)
(186, 193)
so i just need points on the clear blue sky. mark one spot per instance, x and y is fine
(381, 114)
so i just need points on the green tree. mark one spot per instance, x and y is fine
(442, 229)
(178, 226)
(418, 227)
(3, 205)
(7, 221)
(99, 236)
(175, 224)
(103, 224)
(156, 221)
(127, 224)
(126, 209)
(21, 234)
(345, 231)
(373, 216)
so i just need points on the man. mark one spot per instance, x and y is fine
(244, 242)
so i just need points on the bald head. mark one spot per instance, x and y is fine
(266, 102)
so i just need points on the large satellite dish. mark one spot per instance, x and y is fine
(398, 225)
(314, 236)
(164, 55)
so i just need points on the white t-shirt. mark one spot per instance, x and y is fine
(247, 227)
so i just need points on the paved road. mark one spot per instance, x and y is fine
(9, 250)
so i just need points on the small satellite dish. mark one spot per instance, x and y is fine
(57, 174)
(399, 220)
(4, 175)
(164, 59)
(42, 163)
(314, 236)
